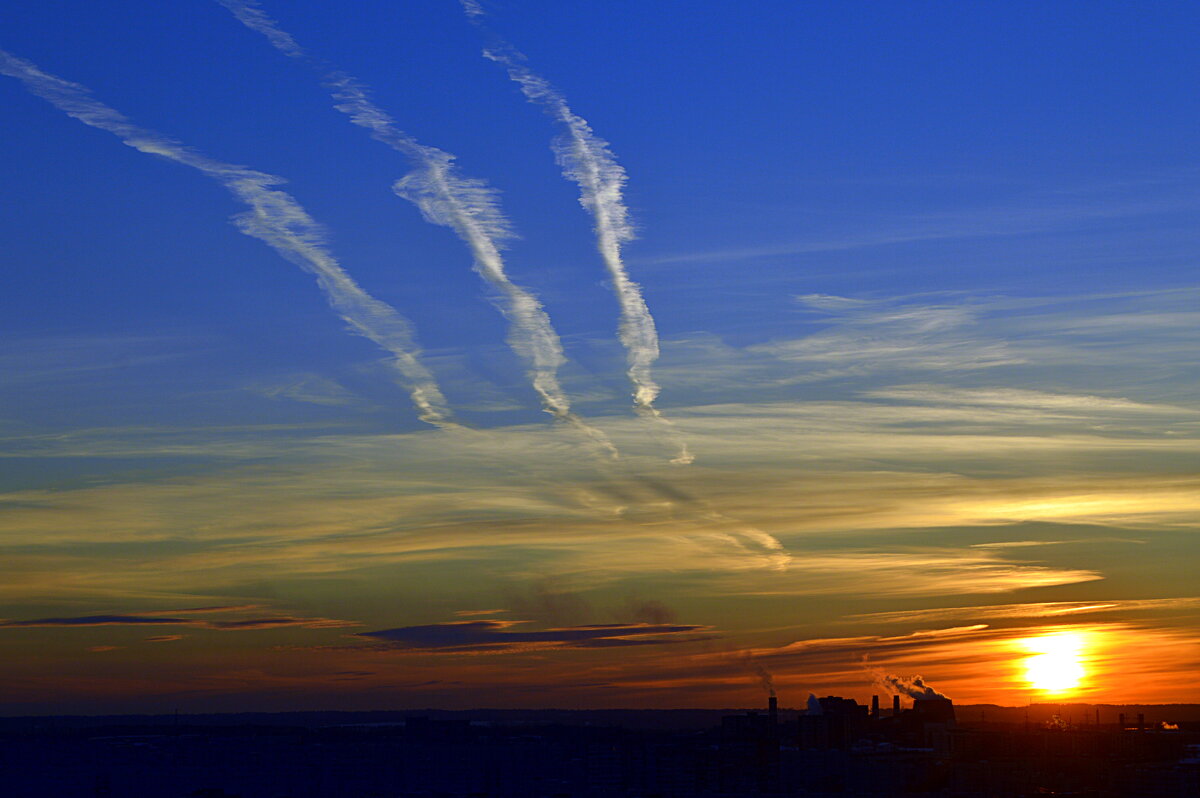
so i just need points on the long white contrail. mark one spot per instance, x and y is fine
(586, 159)
(274, 218)
(468, 206)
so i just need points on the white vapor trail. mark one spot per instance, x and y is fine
(274, 217)
(468, 206)
(586, 159)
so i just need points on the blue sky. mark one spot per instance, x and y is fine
(922, 274)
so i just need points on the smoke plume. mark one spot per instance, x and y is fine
(814, 705)
(765, 679)
(914, 687)
(467, 206)
(274, 217)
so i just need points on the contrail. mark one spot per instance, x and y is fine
(586, 159)
(274, 218)
(468, 206)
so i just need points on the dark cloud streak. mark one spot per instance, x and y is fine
(164, 620)
(492, 636)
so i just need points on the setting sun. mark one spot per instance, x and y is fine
(1056, 661)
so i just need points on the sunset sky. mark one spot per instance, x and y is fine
(664, 349)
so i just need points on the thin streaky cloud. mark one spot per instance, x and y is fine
(1025, 544)
(587, 160)
(206, 610)
(152, 619)
(1027, 218)
(1019, 397)
(274, 218)
(1043, 609)
(468, 206)
(495, 637)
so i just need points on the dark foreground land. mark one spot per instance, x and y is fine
(835, 747)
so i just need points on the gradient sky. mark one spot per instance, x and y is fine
(923, 277)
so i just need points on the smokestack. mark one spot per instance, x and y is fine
(875, 707)
(1141, 722)
(895, 706)
(1121, 722)
(773, 710)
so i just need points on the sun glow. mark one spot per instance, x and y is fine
(1057, 661)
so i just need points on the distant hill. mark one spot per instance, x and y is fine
(1079, 713)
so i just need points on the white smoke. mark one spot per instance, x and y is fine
(468, 206)
(914, 686)
(814, 706)
(586, 159)
(274, 217)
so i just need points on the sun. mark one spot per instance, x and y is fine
(1056, 661)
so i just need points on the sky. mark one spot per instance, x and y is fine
(598, 354)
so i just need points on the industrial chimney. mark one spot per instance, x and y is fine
(895, 706)
(875, 707)
(773, 711)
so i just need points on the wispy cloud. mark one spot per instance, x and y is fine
(1036, 213)
(30, 360)
(1022, 398)
(912, 571)
(1118, 354)
(874, 336)
(274, 218)
(308, 388)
